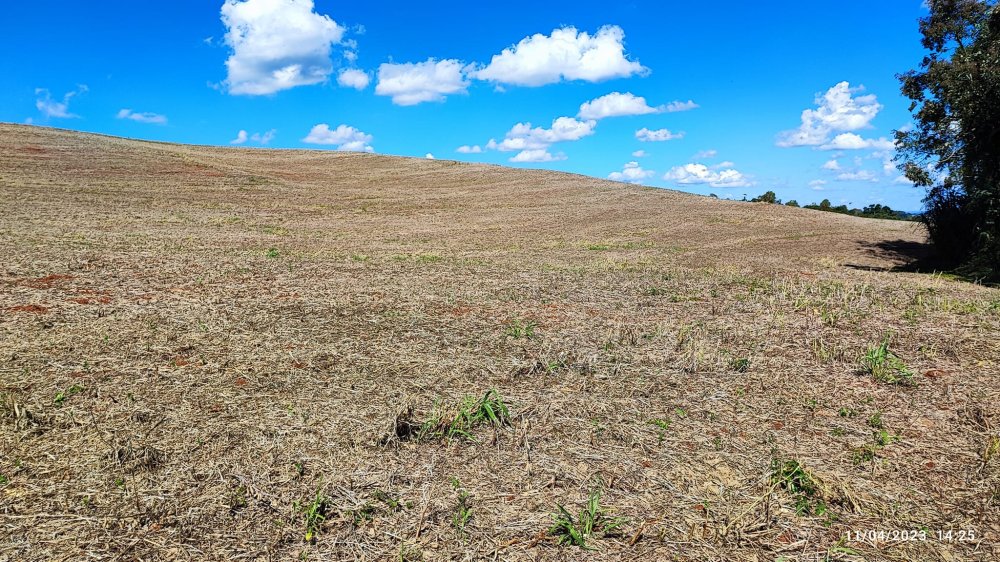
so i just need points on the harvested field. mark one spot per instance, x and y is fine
(230, 354)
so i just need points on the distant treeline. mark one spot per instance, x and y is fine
(875, 211)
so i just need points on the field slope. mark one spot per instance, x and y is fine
(230, 354)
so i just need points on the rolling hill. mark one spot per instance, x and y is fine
(234, 354)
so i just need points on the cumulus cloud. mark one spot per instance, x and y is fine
(617, 104)
(632, 172)
(277, 45)
(566, 54)
(466, 149)
(353, 78)
(837, 110)
(524, 137)
(860, 175)
(902, 180)
(705, 154)
(851, 141)
(51, 108)
(831, 164)
(659, 135)
(153, 118)
(260, 138)
(344, 137)
(413, 83)
(640, 154)
(429, 156)
(695, 174)
(537, 155)
(817, 184)
(675, 106)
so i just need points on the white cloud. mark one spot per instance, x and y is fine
(260, 138)
(413, 83)
(851, 141)
(466, 149)
(632, 173)
(523, 137)
(831, 164)
(264, 138)
(817, 184)
(837, 110)
(705, 154)
(353, 78)
(902, 180)
(691, 174)
(617, 104)
(724, 164)
(277, 45)
(344, 137)
(566, 54)
(659, 135)
(640, 154)
(153, 118)
(429, 156)
(860, 175)
(537, 155)
(675, 106)
(51, 108)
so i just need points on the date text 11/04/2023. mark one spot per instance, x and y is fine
(901, 535)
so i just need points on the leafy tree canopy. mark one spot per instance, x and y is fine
(954, 149)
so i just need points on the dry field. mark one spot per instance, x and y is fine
(211, 353)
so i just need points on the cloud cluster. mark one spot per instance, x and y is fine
(353, 78)
(260, 138)
(837, 110)
(413, 83)
(343, 137)
(565, 54)
(532, 143)
(659, 135)
(696, 174)
(154, 118)
(617, 104)
(51, 108)
(277, 45)
(860, 175)
(851, 141)
(466, 149)
(632, 172)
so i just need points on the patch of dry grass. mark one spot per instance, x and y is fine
(253, 336)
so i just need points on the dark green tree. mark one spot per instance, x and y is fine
(954, 150)
(792, 203)
(767, 197)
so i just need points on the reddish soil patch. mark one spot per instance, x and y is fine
(31, 308)
(46, 282)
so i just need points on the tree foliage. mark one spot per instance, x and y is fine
(767, 197)
(954, 150)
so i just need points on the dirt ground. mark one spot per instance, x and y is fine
(232, 354)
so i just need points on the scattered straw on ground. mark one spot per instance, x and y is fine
(223, 354)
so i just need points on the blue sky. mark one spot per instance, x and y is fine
(723, 85)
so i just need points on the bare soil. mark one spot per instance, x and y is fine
(199, 344)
